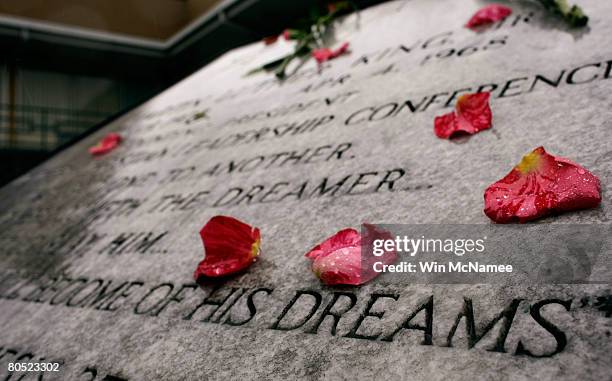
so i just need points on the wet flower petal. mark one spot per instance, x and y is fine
(539, 185)
(326, 54)
(338, 259)
(488, 15)
(230, 247)
(472, 114)
(107, 144)
(270, 40)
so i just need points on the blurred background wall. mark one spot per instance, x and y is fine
(67, 65)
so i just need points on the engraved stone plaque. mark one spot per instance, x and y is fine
(98, 253)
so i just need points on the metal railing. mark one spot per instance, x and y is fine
(43, 128)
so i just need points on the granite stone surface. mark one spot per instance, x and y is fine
(97, 254)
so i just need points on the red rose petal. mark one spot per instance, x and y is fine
(326, 54)
(230, 247)
(488, 15)
(472, 114)
(338, 6)
(270, 40)
(338, 260)
(539, 185)
(107, 144)
(321, 55)
(344, 238)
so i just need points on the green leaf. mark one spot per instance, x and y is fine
(576, 17)
(573, 15)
